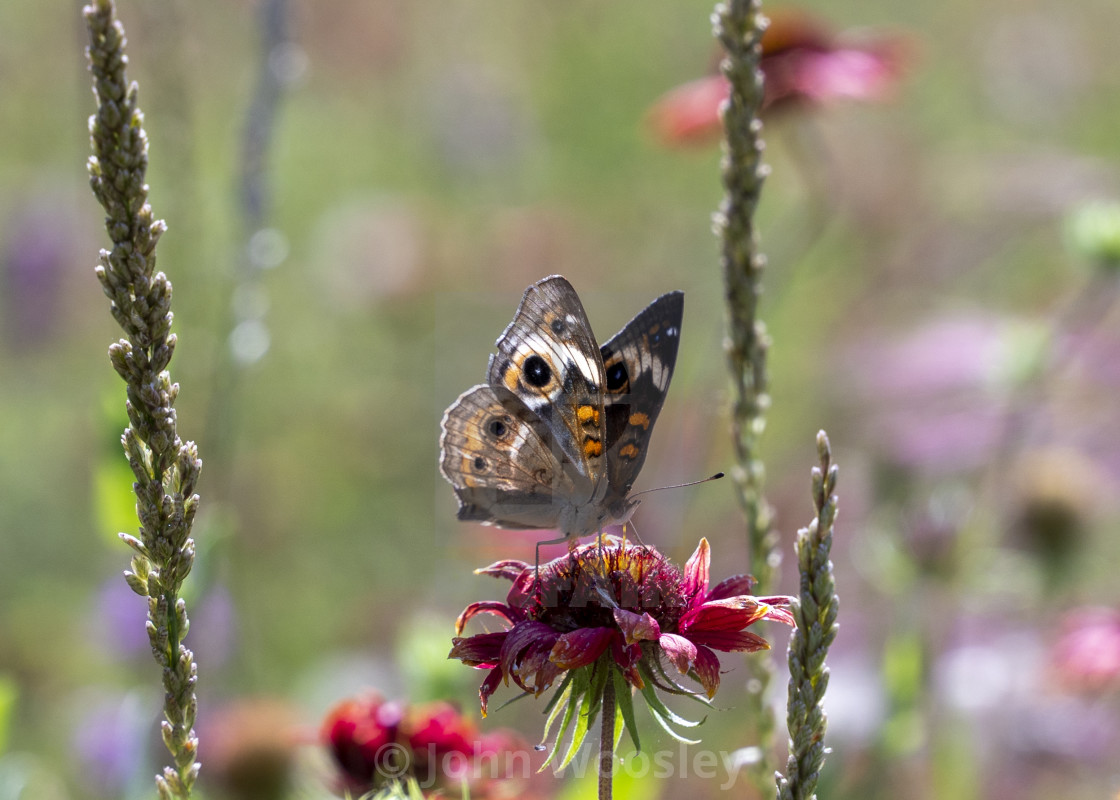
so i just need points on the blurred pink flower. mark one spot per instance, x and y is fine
(803, 64)
(1086, 655)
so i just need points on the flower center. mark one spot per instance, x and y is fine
(582, 590)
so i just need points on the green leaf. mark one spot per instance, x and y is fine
(554, 705)
(663, 716)
(580, 684)
(624, 697)
(589, 709)
(9, 693)
(552, 702)
(655, 704)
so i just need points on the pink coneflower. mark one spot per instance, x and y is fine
(803, 64)
(616, 614)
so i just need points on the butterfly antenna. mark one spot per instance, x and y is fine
(715, 477)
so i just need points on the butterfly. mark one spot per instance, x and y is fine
(558, 433)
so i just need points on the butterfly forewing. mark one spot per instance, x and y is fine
(549, 359)
(638, 363)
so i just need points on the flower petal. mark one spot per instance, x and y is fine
(536, 672)
(679, 650)
(729, 614)
(510, 569)
(481, 650)
(489, 686)
(777, 609)
(696, 571)
(494, 607)
(580, 647)
(707, 670)
(627, 656)
(519, 639)
(729, 641)
(636, 627)
(731, 587)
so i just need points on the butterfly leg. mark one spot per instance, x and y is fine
(630, 526)
(571, 540)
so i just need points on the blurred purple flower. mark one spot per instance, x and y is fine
(35, 259)
(119, 626)
(214, 626)
(110, 732)
(929, 399)
(120, 619)
(997, 677)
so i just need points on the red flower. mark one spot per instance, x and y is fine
(374, 743)
(632, 608)
(802, 64)
(361, 733)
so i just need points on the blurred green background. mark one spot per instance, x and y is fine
(430, 160)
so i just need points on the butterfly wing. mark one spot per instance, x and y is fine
(549, 359)
(638, 363)
(495, 452)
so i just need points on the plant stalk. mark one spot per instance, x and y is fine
(606, 742)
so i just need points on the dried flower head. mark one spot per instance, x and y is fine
(616, 613)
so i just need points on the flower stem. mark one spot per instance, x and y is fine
(738, 24)
(166, 469)
(815, 615)
(606, 743)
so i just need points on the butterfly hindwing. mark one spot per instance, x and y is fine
(638, 362)
(496, 454)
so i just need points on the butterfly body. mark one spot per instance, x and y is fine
(558, 433)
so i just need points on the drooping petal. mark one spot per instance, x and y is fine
(510, 569)
(580, 647)
(729, 641)
(484, 607)
(481, 650)
(636, 627)
(535, 672)
(731, 587)
(696, 571)
(489, 686)
(706, 666)
(627, 656)
(679, 650)
(520, 638)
